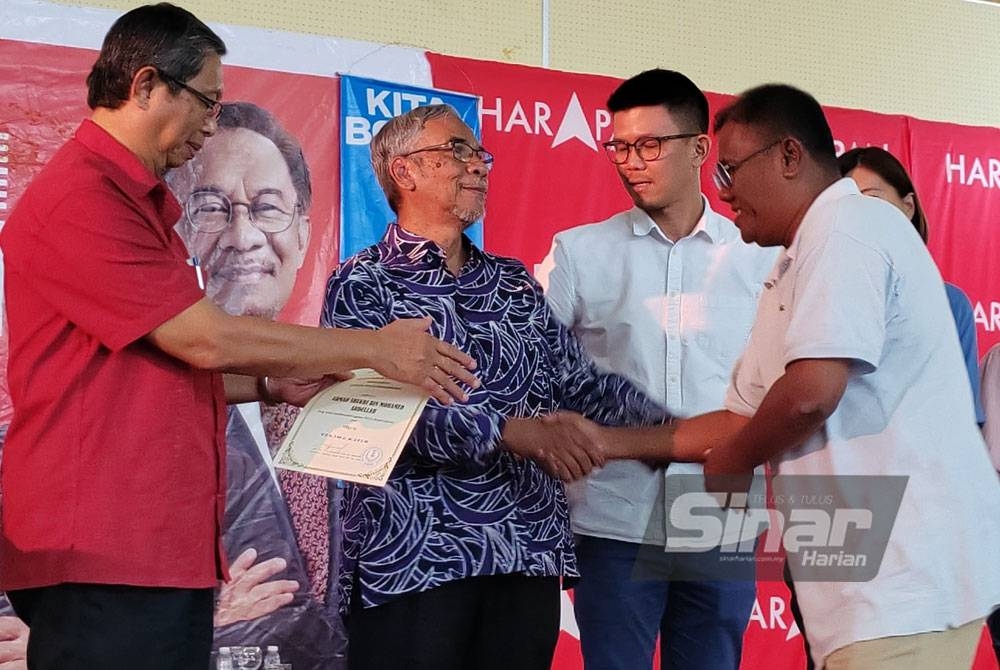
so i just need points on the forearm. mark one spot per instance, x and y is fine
(686, 440)
(206, 337)
(257, 348)
(794, 408)
(608, 399)
(779, 425)
(243, 388)
(240, 388)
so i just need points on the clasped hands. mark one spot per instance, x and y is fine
(569, 446)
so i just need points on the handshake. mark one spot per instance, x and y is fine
(568, 446)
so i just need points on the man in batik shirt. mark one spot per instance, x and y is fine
(456, 562)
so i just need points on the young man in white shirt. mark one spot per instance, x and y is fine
(663, 293)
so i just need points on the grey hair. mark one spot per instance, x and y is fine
(396, 138)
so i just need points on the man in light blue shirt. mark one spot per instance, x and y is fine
(664, 294)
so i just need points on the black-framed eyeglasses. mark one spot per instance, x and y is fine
(214, 107)
(212, 212)
(647, 148)
(723, 173)
(461, 150)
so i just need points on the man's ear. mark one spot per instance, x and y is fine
(702, 145)
(141, 89)
(304, 229)
(792, 155)
(303, 237)
(399, 171)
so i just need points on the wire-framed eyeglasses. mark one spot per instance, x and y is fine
(213, 107)
(461, 150)
(647, 148)
(723, 173)
(212, 211)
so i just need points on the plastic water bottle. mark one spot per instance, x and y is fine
(271, 658)
(225, 658)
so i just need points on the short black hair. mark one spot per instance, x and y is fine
(781, 110)
(667, 88)
(164, 36)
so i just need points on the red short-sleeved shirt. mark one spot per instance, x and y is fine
(113, 467)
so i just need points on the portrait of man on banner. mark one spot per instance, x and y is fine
(246, 198)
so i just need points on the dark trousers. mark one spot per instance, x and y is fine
(627, 595)
(993, 623)
(100, 627)
(500, 622)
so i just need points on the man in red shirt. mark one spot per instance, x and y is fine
(113, 471)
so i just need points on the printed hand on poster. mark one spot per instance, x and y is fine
(13, 644)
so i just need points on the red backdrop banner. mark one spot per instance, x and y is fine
(956, 170)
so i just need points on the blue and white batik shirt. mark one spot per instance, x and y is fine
(458, 504)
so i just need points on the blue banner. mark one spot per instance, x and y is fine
(365, 106)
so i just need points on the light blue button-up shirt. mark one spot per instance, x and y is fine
(671, 316)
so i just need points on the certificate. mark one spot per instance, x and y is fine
(353, 430)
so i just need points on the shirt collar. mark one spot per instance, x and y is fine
(406, 249)
(707, 226)
(135, 177)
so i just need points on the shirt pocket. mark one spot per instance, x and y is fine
(725, 325)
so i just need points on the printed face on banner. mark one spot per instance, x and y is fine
(244, 221)
(447, 185)
(655, 184)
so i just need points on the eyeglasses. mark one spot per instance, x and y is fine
(212, 212)
(647, 148)
(723, 173)
(214, 107)
(461, 150)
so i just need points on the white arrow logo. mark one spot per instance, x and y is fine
(567, 619)
(574, 124)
